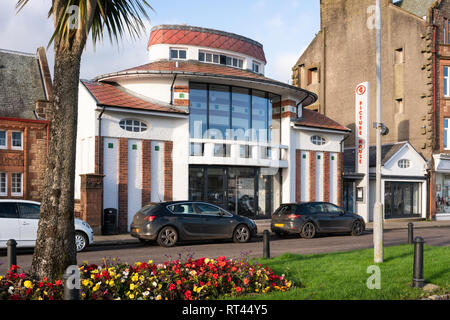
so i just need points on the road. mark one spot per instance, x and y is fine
(323, 244)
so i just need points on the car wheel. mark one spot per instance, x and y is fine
(241, 234)
(167, 237)
(357, 228)
(81, 241)
(308, 230)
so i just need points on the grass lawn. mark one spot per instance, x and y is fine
(343, 276)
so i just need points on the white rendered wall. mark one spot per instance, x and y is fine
(162, 52)
(159, 129)
(158, 89)
(111, 172)
(85, 155)
(333, 178)
(305, 178)
(134, 178)
(319, 176)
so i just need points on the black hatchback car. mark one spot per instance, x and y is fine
(310, 218)
(170, 222)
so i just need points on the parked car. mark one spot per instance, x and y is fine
(311, 218)
(170, 222)
(19, 220)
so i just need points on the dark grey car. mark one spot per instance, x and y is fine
(170, 222)
(310, 218)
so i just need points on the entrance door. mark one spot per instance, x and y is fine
(216, 187)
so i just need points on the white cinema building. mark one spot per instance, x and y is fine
(200, 121)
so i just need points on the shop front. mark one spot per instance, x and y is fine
(248, 191)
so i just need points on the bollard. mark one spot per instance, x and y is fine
(72, 283)
(410, 233)
(12, 254)
(418, 280)
(266, 244)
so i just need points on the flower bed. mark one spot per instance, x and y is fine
(201, 279)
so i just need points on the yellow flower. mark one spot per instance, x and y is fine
(134, 278)
(1, 278)
(111, 283)
(132, 286)
(207, 260)
(150, 262)
(85, 283)
(96, 288)
(131, 296)
(27, 284)
(158, 297)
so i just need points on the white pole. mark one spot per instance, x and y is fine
(378, 208)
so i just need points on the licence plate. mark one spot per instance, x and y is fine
(279, 225)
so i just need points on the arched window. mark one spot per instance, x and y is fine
(318, 140)
(133, 125)
(404, 164)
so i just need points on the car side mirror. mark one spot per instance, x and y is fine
(341, 213)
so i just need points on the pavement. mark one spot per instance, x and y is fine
(395, 224)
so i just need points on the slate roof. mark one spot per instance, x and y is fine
(203, 37)
(114, 95)
(21, 84)
(317, 120)
(387, 151)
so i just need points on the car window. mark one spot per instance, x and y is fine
(185, 208)
(8, 210)
(332, 208)
(207, 209)
(289, 209)
(29, 210)
(318, 208)
(306, 208)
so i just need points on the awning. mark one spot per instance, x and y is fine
(442, 163)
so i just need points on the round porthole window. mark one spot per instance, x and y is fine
(318, 140)
(404, 164)
(133, 125)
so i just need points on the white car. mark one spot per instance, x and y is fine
(19, 221)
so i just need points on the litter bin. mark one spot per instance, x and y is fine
(109, 226)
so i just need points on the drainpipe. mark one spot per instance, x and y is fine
(99, 134)
(171, 89)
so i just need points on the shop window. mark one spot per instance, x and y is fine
(318, 140)
(133, 125)
(404, 164)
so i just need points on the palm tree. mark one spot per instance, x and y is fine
(73, 21)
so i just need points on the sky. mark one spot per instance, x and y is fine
(284, 27)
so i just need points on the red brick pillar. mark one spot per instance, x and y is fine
(146, 172)
(312, 176)
(123, 185)
(168, 171)
(91, 206)
(326, 176)
(298, 174)
(339, 179)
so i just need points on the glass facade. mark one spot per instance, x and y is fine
(246, 191)
(233, 113)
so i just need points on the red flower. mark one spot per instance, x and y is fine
(58, 283)
(238, 289)
(187, 295)
(178, 282)
(172, 287)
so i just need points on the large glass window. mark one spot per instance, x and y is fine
(219, 111)
(3, 184)
(402, 199)
(233, 113)
(3, 141)
(244, 191)
(198, 117)
(240, 110)
(260, 124)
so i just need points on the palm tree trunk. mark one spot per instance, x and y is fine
(55, 246)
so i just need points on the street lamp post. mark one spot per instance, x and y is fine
(378, 208)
